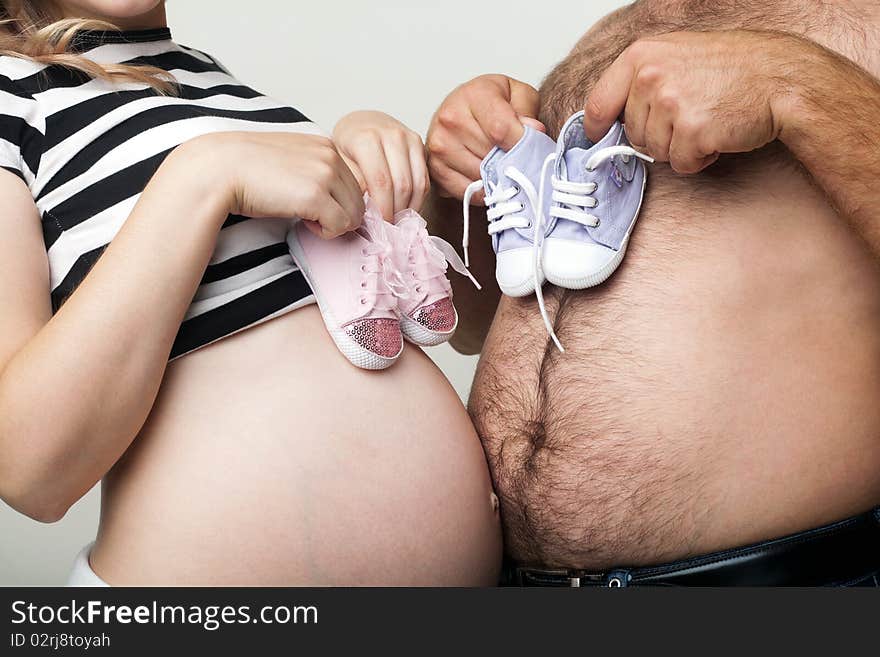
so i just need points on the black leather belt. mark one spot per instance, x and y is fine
(834, 555)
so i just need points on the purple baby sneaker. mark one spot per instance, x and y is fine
(510, 180)
(596, 193)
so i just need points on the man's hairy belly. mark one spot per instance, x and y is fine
(269, 460)
(720, 389)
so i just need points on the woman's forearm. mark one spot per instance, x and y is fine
(73, 398)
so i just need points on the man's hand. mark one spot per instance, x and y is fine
(689, 96)
(488, 111)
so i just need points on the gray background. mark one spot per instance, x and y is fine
(326, 59)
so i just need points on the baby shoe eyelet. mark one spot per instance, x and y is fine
(363, 284)
(363, 301)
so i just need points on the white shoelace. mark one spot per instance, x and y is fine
(505, 213)
(448, 252)
(576, 200)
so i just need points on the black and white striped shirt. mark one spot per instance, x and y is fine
(87, 148)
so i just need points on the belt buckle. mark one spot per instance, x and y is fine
(531, 576)
(560, 577)
(613, 580)
(579, 578)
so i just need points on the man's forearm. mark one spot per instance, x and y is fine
(567, 87)
(830, 121)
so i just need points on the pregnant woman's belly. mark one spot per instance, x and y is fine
(269, 460)
(721, 389)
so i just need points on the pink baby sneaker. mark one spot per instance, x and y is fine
(356, 286)
(427, 316)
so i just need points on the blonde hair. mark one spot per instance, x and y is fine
(38, 34)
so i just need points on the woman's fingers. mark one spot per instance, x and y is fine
(352, 186)
(333, 217)
(344, 188)
(378, 179)
(420, 178)
(396, 151)
(313, 227)
(391, 166)
(356, 171)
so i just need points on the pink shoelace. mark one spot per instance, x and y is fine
(385, 283)
(428, 255)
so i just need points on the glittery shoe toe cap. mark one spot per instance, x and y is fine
(379, 336)
(439, 316)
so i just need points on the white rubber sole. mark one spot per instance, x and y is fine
(353, 352)
(518, 265)
(594, 278)
(424, 337)
(523, 290)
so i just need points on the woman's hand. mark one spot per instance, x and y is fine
(281, 175)
(387, 158)
(488, 111)
(689, 96)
